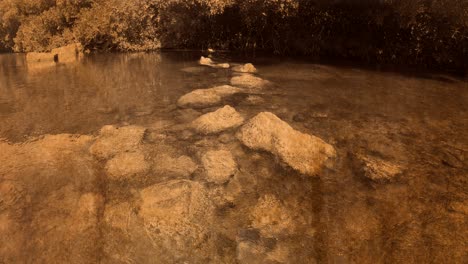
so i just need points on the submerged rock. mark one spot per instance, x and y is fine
(127, 165)
(271, 217)
(182, 166)
(209, 62)
(217, 121)
(246, 68)
(113, 140)
(219, 166)
(377, 169)
(178, 215)
(207, 97)
(302, 152)
(194, 70)
(249, 81)
(254, 100)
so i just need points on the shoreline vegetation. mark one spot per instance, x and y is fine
(430, 34)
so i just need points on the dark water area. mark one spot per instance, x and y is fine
(60, 205)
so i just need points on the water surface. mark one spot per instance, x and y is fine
(421, 124)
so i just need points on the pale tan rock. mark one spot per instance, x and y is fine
(113, 140)
(271, 217)
(217, 121)
(118, 215)
(205, 61)
(219, 166)
(127, 165)
(254, 100)
(86, 214)
(182, 166)
(249, 81)
(302, 152)
(40, 57)
(65, 54)
(377, 169)
(209, 62)
(207, 97)
(178, 216)
(246, 68)
(68, 53)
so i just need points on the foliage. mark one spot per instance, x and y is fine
(421, 32)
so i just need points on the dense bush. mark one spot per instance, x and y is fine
(432, 33)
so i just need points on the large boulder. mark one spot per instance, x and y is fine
(207, 97)
(219, 166)
(302, 152)
(113, 140)
(217, 121)
(178, 216)
(249, 81)
(246, 68)
(65, 54)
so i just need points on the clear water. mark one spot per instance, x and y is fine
(418, 122)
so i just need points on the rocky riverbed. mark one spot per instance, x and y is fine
(231, 174)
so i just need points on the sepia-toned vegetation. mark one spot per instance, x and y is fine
(431, 33)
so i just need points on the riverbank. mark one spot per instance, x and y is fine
(423, 34)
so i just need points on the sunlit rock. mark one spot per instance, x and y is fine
(205, 61)
(113, 140)
(217, 121)
(302, 152)
(246, 68)
(40, 57)
(127, 165)
(178, 216)
(209, 62)
(65, 54)
(207, 97)
(68, 53)
(249, 81)
(219, 166)
(378, 169)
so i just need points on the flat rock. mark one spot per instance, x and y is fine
(219, 166)
(194, 70)
(254, 100)
(178, 215)
(182, 166)
(378, 169)
(127, 165)
(249, 81)
(65, 54)
(302, 152)
(113, 140)
(209, 62)
(246, 68)
(271, 217)
(207, 97)
(217, 121)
